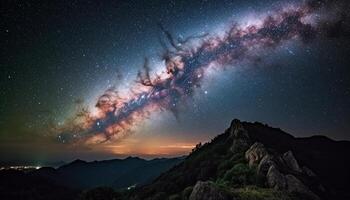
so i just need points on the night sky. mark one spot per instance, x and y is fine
(70, 87)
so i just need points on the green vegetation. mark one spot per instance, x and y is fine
(240, 175)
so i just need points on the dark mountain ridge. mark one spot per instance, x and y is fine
(255, 161)
(117, 173)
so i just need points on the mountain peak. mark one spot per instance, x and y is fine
(133, 158)
(275, 162)
(236, 124)
(78, 161)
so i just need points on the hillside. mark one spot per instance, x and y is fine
(255, 161)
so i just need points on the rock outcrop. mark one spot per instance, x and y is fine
(266, 162)
(275, 179)
(255, 153)
(291, 162)
(280, 170)
(241, 141)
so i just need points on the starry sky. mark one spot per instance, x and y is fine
(59, 58)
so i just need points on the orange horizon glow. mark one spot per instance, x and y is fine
(155, 146)
(150, 148)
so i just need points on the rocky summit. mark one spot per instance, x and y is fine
(255, 161)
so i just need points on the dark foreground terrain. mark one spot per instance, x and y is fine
(249, 161)
(255, 161)
(67, 181)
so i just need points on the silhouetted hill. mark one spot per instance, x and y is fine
(255, 161)
(117, 173)
(67, 181)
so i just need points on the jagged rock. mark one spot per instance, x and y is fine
(241, 141)
(291, 162)
(275, 166)
(294, 185)
(308, 171)
(265, 164)
(271, 166)
(255, 153)
(235, 125)
(275, 179)
(207, 191)
(290, 183)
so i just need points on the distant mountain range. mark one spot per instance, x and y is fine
(249, 161)
(117, 173)
(68, 180)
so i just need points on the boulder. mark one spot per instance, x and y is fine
(286, 182)
(291, 162)
(255, 153)
(275, 179)
(289, 183)
(266, 162)
(208, 191)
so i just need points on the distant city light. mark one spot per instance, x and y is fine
(21, 167)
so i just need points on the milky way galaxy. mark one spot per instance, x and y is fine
(186, 63)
